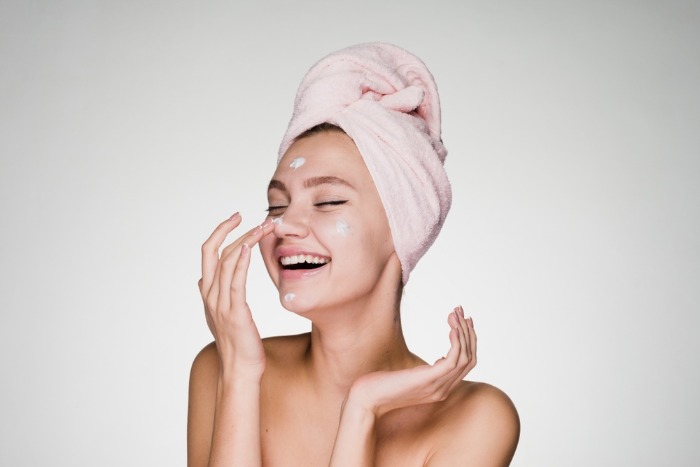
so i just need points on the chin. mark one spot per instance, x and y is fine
(296, 302)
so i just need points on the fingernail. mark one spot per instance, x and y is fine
(267, 222)
(244, 249)
(235, 215)
(460, 310)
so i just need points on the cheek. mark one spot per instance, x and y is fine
(277, 221)
(266, 246)
(333, 227)
(342, 227)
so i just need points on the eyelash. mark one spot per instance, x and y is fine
(325, 203)
(331, 203)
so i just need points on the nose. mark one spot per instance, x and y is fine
(293, 223)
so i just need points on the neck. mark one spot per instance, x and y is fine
(358, 338)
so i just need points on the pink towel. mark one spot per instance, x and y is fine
(386, 100)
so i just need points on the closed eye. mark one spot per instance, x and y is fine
(275, 210)
(279, 209)
(330, 203)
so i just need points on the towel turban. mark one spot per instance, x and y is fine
(386, 100)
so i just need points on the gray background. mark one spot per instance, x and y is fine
(128, 130)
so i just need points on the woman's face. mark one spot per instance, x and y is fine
(331, 241)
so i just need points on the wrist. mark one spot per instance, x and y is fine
(360, 403)
(241, 374)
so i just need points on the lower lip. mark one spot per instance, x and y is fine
(298, 274)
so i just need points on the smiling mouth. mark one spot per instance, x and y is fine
(306, 262)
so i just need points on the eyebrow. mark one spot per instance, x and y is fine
(311, 183)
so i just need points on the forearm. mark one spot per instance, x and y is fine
(355, 441)
(236, 433)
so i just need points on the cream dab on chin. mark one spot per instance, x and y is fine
(298, 162)
(342, 227)
(289, 297)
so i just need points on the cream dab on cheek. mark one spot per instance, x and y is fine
(278, 220)
(342, 227)
(298, 162)
(289, 297)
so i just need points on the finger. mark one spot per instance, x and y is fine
(472, 347)
(251, 237)
(472, 342)
(235, 246)
(240, 274)
(237, 291)
(211, 298)
(227, 264)
(230, 261)
(450, 360)
(446, 373)
(455, 360)
(210, 250)
(465, 353)
(467, 334)
(462, 328)
(224, 270)
(228, 257)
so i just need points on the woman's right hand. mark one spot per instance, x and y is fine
(223, 289)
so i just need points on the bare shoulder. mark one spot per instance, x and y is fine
(284, 349)
(204, 377)
(480, 426)
(483, 405)
(282, 352)
(202, 401)
(279, 350)
(206, 365)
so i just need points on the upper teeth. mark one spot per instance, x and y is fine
(287, 260)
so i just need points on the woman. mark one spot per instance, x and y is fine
(358, 196)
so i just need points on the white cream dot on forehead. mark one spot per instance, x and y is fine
(289, 297)
(298, 162)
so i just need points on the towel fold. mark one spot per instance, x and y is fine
(386, 100)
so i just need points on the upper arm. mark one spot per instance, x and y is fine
(201, 406)
(485, 433)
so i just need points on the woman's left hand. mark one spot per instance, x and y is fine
(382, 391)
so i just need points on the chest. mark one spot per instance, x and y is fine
(295, 431)
(298, 430)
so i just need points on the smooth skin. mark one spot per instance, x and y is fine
(349, 393)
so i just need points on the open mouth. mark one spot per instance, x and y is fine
(307, 262)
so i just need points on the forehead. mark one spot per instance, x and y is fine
(328, 154)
